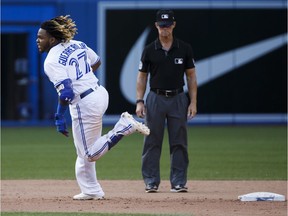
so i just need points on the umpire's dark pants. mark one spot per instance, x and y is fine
(173, 110)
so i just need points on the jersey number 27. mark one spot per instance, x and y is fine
(81, 64)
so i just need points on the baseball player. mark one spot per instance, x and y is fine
(69, 65)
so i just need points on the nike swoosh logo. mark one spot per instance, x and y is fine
(130, 68)
(210, 68)
(207, 69)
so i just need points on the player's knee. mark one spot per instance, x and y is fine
(91, 159)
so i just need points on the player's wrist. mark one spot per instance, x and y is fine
(139, 101)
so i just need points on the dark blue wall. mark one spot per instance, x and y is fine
(112, 28)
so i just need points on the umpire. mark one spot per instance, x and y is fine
(167, 60)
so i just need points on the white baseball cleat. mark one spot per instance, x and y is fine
(137, 126)
(83, 196)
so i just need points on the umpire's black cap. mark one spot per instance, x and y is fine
(165, 17)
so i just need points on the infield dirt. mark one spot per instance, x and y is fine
(209, 198)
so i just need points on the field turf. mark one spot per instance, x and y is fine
(215, 153)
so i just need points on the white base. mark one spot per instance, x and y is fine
(261, 196)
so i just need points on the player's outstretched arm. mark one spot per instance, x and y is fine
(66, 95)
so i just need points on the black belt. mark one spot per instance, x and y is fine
(87, 92)
(167, 93)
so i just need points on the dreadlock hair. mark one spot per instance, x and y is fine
(62, 28)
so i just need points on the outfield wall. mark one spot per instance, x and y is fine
(240, 50)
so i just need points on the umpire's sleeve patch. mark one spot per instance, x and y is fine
(140, 65)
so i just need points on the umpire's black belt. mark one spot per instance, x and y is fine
(87, 92)
(167, 93)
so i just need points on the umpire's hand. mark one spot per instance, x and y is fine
(192, 110)
(140, 110)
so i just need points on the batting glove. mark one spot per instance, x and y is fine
(61, 124)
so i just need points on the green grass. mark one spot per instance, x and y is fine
(215, 153)
(238, 153)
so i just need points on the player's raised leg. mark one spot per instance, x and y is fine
(128, 125)
(125, 126)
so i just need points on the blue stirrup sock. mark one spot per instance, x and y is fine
(114, 139)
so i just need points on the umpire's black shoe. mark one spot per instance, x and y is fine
(151, 188)
(179, 188)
